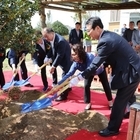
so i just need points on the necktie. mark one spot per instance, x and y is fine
(53, 51)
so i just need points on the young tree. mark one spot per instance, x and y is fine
(15, 28)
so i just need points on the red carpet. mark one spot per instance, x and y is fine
(86, 135)
(35, 80)
(75, 104)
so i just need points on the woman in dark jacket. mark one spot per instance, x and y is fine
(2, 57)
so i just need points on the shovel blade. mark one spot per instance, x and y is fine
(21, 83)
(36, 105)
(8, 85)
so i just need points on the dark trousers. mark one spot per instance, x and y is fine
(2, 79)
(23, 70)
(43, 73)
(123, 96)
(105, 84)
(87, 84)
(54, 77)
(66, 92)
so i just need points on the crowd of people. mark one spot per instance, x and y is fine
(120, 52)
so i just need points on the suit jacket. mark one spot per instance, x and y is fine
(13, 56)
(40, 53)
(136, 40)
(115, 50)
(123, 30)
(60, 53)
(74, 38)
(128, 34)
(2, 56)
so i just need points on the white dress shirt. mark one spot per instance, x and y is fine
(42, 45)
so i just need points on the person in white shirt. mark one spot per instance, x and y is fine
(42, 47)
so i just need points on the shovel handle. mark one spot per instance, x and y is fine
(57, 87)
(45, 64)
(23, 58)
(62, 90)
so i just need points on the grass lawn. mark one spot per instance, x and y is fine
(6, 65)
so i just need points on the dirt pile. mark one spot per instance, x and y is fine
(45, 124)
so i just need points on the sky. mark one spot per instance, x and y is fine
(62, 16)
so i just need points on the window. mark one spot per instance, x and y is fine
(135, 16)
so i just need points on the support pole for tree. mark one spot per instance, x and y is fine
(42, 17)
(80, 17)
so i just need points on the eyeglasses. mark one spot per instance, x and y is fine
(89, 31)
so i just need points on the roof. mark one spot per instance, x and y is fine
(86, 5)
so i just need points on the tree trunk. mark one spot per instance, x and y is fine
(42, 17)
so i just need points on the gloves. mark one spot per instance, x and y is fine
(36, 68)
(47, 60)
(50, 60)
(99, 70)
(74, 81)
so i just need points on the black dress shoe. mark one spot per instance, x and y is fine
(29, 85)
(126, 115)
(70, 89)
(60, 98)
(106, 133)
(45, 89)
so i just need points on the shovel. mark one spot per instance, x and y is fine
(12, 82)
(43, 102)
(26, 81)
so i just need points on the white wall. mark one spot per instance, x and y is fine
(105, 16)
(125, 17)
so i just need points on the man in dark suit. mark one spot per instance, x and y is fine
(123, 29)
(60, 54)
(2, 57)
(13, 59)
(125, 64)
(136, 39)
(128, 32)
(42, 47)
(76, 34)
(128, 36)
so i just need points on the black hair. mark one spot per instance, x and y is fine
(78, 23)
(95, 21)
(79, 50)
(138, 22)
(131, 22)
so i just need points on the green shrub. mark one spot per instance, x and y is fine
(59, 28)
